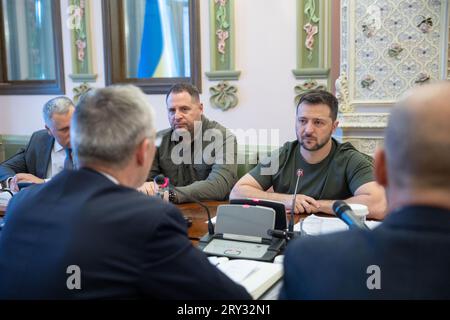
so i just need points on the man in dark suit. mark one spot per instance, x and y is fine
(47, 152)
(89, 234)
(407, 256)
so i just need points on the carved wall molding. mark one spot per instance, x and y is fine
(223, 96)
(223, 52)
(306, 86)
(342, 94)
(367, 145)
(79, 91)
(363, 120)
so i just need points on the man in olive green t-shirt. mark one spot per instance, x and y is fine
(198, 167)
(330, 170)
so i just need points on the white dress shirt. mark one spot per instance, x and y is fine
(57, 158)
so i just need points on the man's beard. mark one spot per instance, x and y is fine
(319, 145)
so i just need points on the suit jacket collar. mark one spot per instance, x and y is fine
(43, 162)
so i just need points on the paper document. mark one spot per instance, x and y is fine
(4, 199)
(255, 276)
(315, 225)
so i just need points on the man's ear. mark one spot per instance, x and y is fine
(201, 107)
(381, 167)
(142, 153)
(335, 125)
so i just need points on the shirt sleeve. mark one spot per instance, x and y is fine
(266, 169)
(156, 169)
(220, 181)
(17, 163)
(359, 170)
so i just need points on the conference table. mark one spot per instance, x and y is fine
(196, 213)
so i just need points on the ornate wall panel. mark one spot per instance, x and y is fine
(313, 46)
(222, 31)
(78, 22)
(389, 46)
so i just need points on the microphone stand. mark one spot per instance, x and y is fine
(291, 221)
(210, 224)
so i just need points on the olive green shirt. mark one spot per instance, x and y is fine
(337, 176)
(208, 170)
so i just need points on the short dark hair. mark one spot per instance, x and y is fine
(185, 87)
(321, 96)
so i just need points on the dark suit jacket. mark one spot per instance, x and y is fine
(34, 159)
(126, 244)
(411, 248)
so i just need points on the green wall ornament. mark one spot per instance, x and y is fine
(223, 96)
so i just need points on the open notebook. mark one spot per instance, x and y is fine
(255, 276)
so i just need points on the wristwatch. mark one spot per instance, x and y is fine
(172, 196)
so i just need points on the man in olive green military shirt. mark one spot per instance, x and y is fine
(330, 170)
(196, 154)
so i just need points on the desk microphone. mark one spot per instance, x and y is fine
(282, 234)
(291, 221)
(161, 180)
(346, 214)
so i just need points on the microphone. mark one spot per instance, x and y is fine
(282, 234)
(343, 211)
(291, 221)
(160, 180)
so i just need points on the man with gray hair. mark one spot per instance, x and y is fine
(48, 151)
(407, 256)
(88, 234)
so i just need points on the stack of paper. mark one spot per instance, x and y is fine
(255, 276)
(315, 225)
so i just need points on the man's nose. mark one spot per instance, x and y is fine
(309, 127)
(178, 115)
